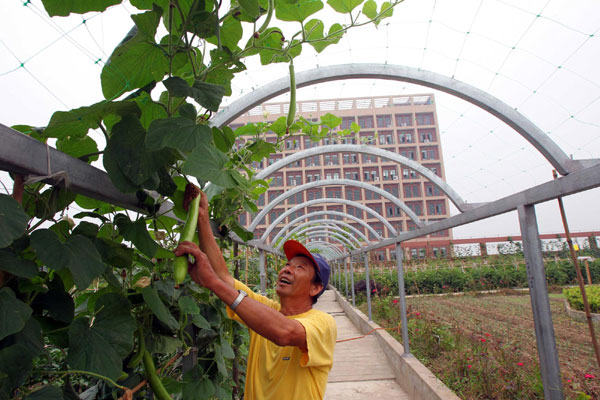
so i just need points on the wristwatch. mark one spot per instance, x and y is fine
(238, 300)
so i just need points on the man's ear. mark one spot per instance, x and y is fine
(315, 289)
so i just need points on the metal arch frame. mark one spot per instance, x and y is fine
(352, 241)
(363, 149)
(325, 221)
(334, 182)
(302, 217)
(325, 245)
(333, 236)
(380, 217)
(534, 135)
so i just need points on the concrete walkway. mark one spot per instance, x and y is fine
(360, 368)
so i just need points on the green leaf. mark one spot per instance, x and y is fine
(202, 23)
(50, 250)
(331, 120)
(85, 263)
(15, 366)
(230, 33)
(162, 344)
(188, 305)
(115, 322)
(77, 122)
(279, 126)
(137, 233)
(13, 220)
(224, 139)
(137, 61)
(344, 6)
(354, 127)
(47, 392)
(387, 10)
(297, 10)
(220, 360)
(86, 229)
(370, 9)
(13, 313)
(207, 95)
(30, 337)
(198, 385)
(207, 163)
(188, 111)
(77, 148)
(226, 349)
(151, 110)
(65, 7)
(261, 149)
(22, 268)
(334, 36)
(127, 148)
(250, 7)
(58, 303)
(200, 321)
(178, 133)
(158, 308)
(90, 351)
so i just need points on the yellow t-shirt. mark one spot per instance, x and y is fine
(285, 373)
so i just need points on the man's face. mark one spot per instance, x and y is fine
(295, 279)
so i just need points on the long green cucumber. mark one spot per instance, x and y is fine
(155, 383)
(292, 111)
(141, 348)
(180, 266)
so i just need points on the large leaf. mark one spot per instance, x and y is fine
(15, 366)
(13, 220)
(207, 95)
(127, 148)
(344, 6)
(370, 9)
(250, 7)
(77, 122)
(47, 392)
(58, 303)
(314, 33)
(297, 10)
(137, 233)
(78, 254)
(230, 33)
(90, 351)
(77, 148)
(207, 163)
(115, 322)
(197, 385)
(11, 263)
(151, 110)
(178, 133)
(159, 309)
(137, 61)
(30, 337)
(13, 313)
(65, 7)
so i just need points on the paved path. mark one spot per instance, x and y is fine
(360, 368)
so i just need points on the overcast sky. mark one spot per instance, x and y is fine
(540, 57)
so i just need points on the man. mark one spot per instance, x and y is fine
(291, 344)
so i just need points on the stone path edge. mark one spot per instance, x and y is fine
(411, 374)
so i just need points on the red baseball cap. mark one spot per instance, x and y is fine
(293, 248)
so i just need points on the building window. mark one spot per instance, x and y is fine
(426, 135)
(347, 122)
(366, 122)
(412, 190)
(432, 190)
(404, 120)
(242, 219)
(406, 136)
(435, 208)
(425, 119)
(384, 121)
(416, 207)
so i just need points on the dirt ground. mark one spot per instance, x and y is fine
(508, 319)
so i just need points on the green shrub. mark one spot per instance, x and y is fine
(573, 296)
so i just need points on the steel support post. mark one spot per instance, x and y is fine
(346, 274)
(540, 304)
(263, 272)
(352, 282)
(366, 255)
(402, 294)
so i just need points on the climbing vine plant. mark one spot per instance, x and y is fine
(87, 302)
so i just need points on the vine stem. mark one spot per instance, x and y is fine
(79, 372)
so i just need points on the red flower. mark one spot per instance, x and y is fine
(569, 380)
(418, 314)
(589, 376)
(469, 366)
(488, 334)
(395, 301)
(520, 364)
(482, 340)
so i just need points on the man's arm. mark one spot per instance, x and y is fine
(264, 320)
(206, 239)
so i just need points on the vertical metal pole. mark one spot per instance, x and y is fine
(263, 272)
(402, 299)
(346, 274)
(540, 304)
(366, 254)
(352, 281)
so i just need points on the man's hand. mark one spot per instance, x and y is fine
(191, 191)
(201, 271)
